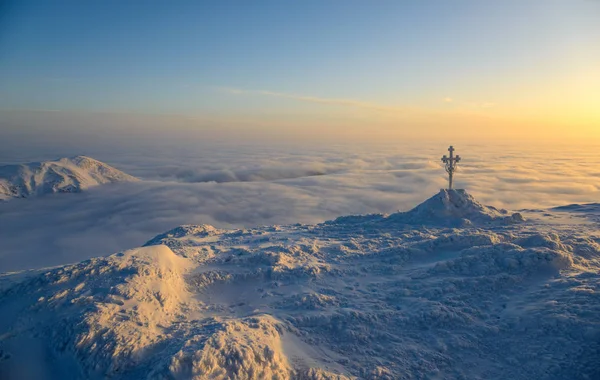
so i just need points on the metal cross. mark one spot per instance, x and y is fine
(451, 164)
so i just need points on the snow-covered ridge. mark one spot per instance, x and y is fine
(451, 208)
(66, 175)
(457, 206)
(372, 297)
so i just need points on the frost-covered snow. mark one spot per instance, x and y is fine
(450, 289)
(66, 175)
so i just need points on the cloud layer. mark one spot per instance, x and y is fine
(244, 186)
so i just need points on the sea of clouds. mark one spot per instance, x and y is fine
(251, 184)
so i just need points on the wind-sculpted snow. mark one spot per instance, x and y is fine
(451, 208)
(374, 297)
(103, 312)
(67, 175)
(589, 211)
(456, 207)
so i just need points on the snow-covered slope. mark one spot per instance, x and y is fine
(450, 208)
(371, 297)
(66, 175)
(457, 207)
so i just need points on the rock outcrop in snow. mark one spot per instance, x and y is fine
(379, 299)
(66, 175)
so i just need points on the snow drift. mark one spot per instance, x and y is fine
(456, 207)
(376, 297)
(66, 175)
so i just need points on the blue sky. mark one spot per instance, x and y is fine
(295, 59)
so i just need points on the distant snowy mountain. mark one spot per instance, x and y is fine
(400, 296)
(66, 175)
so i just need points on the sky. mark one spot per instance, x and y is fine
(328, 69)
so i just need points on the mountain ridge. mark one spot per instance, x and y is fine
(458, 207)
(450, 208)
(381, 299)
(64, 175)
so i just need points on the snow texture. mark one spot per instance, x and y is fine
(451, 289)
(457, 207)
(66, 175)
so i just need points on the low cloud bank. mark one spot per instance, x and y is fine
(247, 175)
(252, 186)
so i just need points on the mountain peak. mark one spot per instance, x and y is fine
(456, 207)
(65, 175)
(452, 203)
(81, 158)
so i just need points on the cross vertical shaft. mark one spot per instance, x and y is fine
(451, 165)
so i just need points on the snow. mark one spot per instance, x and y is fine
(457, 207)
(450, 289)
(66, 175)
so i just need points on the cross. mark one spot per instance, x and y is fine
(451, 164)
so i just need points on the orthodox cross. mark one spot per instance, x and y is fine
(451, 164)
